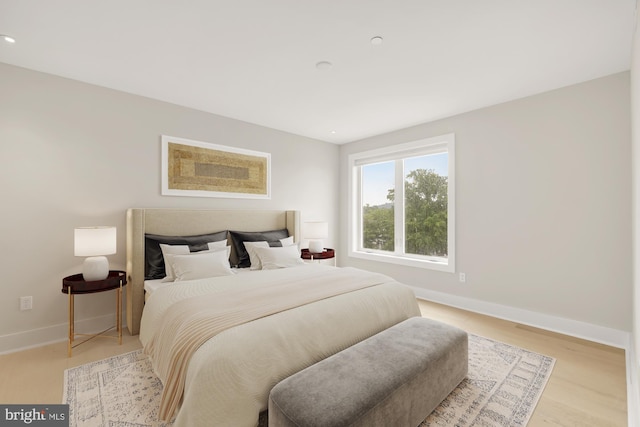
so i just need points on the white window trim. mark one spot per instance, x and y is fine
(422, 146)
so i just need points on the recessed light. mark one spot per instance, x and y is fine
(333, 132)
(376, 41)
(7, 39)
(323, 65)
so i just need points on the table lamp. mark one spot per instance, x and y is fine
(315, 231)
(95, 243)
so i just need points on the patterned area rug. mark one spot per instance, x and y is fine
(502, 389)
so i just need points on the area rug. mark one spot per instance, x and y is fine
(502, 389)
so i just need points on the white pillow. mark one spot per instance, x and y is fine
(288, 241)
(200, 265)
(253, 258)
(167, 251)
(217, 245)
(286, 256)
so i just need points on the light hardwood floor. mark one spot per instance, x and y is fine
(587, 387)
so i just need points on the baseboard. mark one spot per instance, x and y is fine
(52, 334)
(574, 328)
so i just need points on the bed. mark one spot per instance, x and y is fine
(220, 344)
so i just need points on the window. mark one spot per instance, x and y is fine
(402, 204)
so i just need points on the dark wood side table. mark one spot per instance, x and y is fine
(328, 254)
(76, 285)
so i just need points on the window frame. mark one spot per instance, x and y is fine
(432, 145)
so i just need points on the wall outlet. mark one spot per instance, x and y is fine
(26, 303)
(462, 277)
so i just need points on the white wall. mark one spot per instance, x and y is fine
(543, 207)
(633, 356)
(73, 154)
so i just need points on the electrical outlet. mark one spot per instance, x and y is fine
(462, 277)
(26, 303)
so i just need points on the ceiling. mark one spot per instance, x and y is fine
(255, 60)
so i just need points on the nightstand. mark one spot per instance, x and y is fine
(328, 256)
(76, 285)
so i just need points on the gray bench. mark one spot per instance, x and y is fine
(394, 378)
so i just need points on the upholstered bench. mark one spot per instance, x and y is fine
(394, 378)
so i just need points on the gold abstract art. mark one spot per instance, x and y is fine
(195, 168)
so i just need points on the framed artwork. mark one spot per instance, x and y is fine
(201, 169)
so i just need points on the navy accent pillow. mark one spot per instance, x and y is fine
(239, 237)
(154, 262)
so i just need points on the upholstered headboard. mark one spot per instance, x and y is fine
(181, 222)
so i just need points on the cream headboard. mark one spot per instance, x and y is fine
(181, 222)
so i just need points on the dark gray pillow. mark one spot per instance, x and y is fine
(154, 261)
(239, 237)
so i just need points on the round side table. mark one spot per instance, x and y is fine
(328, 256)
(76, 285)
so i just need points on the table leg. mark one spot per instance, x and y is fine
(119, 313)
(71, 322)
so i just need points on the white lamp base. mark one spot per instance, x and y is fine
(95, 268)
(315, 246)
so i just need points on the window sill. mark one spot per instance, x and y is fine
(448, 267)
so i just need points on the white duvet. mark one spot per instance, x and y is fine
(229, 377)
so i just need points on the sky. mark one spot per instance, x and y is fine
(378, 177)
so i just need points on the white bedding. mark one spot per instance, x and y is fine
(150, 285)
(230, 376)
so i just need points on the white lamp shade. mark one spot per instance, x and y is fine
(94, 241)
(316, 230)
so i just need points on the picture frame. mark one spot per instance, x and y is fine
(202, 169)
